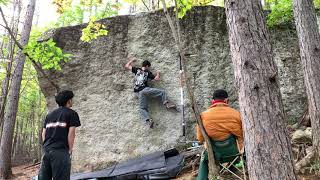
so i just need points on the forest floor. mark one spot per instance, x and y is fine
(26, 172)
(190, 176)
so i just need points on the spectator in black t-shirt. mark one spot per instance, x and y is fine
(58, 136)
(142, 89)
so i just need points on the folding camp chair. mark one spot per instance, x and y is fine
(227, 155)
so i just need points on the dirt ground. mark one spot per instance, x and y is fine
(26, 172)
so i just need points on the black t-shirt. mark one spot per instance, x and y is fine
(57, 124)
(141, 78)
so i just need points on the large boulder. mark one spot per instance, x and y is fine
(111, 129)
(302, 136)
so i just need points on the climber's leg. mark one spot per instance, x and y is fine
(159, 93)
(143, 105)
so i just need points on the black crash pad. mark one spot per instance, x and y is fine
(158, 165)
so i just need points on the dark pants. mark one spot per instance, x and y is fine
(56, 165)
(143, 103)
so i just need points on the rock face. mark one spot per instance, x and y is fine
(111, 129)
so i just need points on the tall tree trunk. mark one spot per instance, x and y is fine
(267, 145)
(309, 41)
(11, 113)
(11, 47)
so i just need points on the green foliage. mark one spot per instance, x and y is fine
(4, 2)
(317, 4)
(185, 5)
(315, 167)
(31, 111)
(47, 53)
(30, 91)
(5, 40)
(214, 178)
(77, 14)
(132, 1)
(93, 31)
(281, 13)
(71, 16)
(107, 10)
(62, 5)
(90, 3)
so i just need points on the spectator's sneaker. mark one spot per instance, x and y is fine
(150, 123)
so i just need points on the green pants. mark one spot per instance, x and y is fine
(203, 171)
(203, 168)
(56, 165)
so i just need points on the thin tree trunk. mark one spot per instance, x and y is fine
(25, 137)
(31, 131)
(11, 113)
(16, 133)
(309, 42)
(268, 149)
(11, 47)
(18, 138)
(34, 129)
(39, 127)
(152, 5)
(213, 170)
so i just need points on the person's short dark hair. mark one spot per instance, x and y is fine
(146, 63)
(220, 94)
(63, 97)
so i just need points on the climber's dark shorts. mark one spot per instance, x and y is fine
(55, 164)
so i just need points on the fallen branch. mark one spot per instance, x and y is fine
(192, 153)
(33, 165)
(305, 161)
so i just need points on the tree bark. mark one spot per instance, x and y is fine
(309, 42)
(11, 113)
(268, 149)
(14, 149)
(11, 47)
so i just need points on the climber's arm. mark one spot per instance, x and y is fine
(129, 63)
(157, 78)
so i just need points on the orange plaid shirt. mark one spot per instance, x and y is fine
(220, 121)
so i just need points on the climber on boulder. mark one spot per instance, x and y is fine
(142, 89)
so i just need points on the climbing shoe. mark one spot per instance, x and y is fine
(170, 105)
(150, 123)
